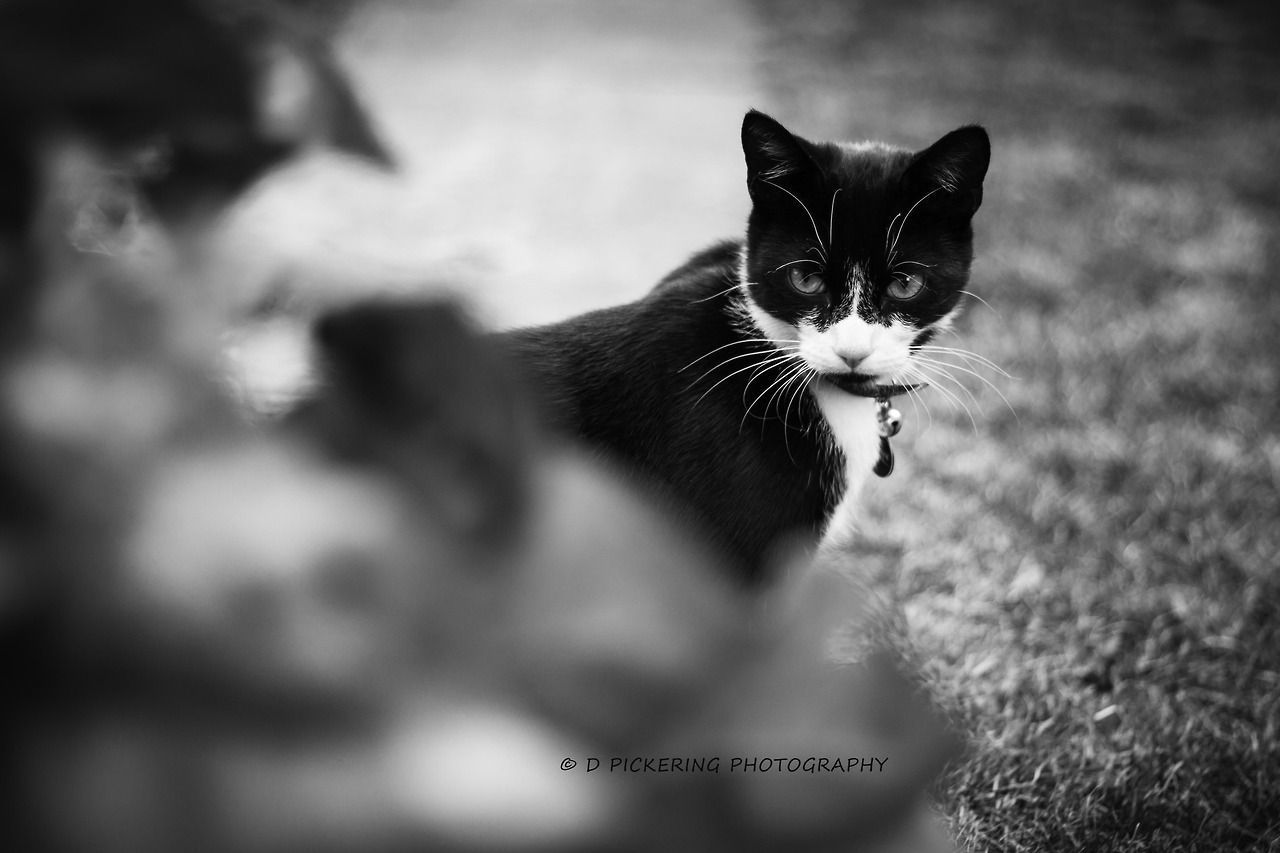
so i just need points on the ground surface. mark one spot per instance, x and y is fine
(1090, 569)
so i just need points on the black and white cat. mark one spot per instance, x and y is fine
(744, 385)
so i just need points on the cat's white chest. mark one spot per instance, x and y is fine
(852, 421)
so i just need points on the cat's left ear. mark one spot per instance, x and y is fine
(949, 173)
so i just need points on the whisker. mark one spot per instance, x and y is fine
(943, 368)
(729, 289)
(766, 355)
(903, 224)
(806, 379)
(831, 217)
(934, 376)
(916, 402)
(983, 301)
(781, 379)
(735, 343)
(777, 358)
(948, 395)
(797, 261)
(802, 384)
(940, 363)
(789, 376)
(889, 231)
(915, 395)
(800, 379)
(816, 235)
(965, 354)
(783, 373)
(979, 376)
(756, 374)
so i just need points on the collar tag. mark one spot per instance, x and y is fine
(888, 424)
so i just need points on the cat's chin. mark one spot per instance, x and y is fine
(864, 386)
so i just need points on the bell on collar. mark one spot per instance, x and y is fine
(888, 424)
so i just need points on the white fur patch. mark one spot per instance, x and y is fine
(852, 421)
(878, 351)
(777, 331)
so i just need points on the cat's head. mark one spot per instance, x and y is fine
(857, 254)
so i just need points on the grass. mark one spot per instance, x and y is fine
(1091, 575)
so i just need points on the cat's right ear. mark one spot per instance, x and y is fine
(772, 152)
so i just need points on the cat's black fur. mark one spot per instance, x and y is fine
(630, 380)
(657, 384)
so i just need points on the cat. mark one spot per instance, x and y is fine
(744, 386)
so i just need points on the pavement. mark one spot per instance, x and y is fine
(555, 156)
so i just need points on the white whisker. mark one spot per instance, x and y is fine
(729, 289)
(918, 356)
(945, 365)
(766, 355)
(967, 355)
(781, 383)
(889, 231)
(943, 369)
(783, 376)
(735, 343)
(817, 236)
(917, 402)
(806, 378)
(915, 394)
(983, 301)
(934, 376)
(831, 217)
(776, 358)
(903, 223)
(791, 376)
(797, 261)
(802, 382)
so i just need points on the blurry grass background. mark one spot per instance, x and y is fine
(1090, 569)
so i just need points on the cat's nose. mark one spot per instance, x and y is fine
(853, 361)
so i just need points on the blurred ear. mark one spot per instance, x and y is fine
(303, 99)
(772, 152)
(950, 173)
(412, 388)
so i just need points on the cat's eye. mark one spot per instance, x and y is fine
(904, 287)
(804, 283)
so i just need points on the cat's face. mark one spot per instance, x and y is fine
(857, 255)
